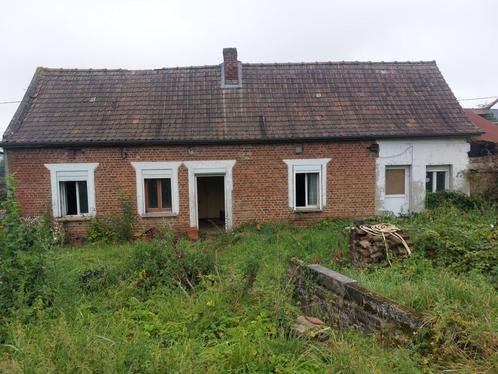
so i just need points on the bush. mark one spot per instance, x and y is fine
(456, 199)
(24, 248)
(166, 263)
(111, 229)
(459, 240)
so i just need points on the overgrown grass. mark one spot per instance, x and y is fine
(235, 312)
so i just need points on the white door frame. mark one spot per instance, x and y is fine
(205, 169)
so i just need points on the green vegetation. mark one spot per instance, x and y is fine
(454, 199)
(3, 187)
(112, 229)
(223, 304)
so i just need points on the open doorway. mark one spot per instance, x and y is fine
(211, 202)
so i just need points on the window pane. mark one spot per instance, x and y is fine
(440, 181)
(151, 190)
(83, 197)
(166, 193)
(395, 181)
(312, 189)
(71, 207)
(300, 190)
(428, 181)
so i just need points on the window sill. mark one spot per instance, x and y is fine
(307, 210)
(158, 214)
(74, 218)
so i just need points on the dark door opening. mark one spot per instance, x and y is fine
(211, 202)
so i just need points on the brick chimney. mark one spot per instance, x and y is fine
(230, 68)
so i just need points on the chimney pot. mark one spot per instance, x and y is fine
(231, 76)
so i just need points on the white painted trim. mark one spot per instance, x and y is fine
(313, 165)
(420, 154)
(159, 169)
(211, 167)
(72, 171)
(435, 168)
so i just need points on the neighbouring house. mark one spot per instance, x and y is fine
(485, 143)
(234, 143)
(487, 111)
(483, 154)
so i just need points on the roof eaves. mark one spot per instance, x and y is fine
(128, 142)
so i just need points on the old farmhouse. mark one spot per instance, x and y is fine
(233, 143)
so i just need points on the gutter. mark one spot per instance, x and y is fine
(122, 143)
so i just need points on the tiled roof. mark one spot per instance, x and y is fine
(490, 129)
(276, 102)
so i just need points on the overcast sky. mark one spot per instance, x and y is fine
(460, 35)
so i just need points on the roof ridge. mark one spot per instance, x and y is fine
(421, 62)
(250, 64)
(100, 70)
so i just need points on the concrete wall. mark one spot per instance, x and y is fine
(418, 154)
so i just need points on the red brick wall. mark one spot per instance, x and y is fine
(260, 191)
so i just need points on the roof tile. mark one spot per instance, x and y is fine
(298, 102)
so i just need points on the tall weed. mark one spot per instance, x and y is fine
(170, 263)
(25, 246)
(112, 228)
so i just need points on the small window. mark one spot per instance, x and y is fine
(73, 189)
(307, 183)
(437, 178)
(157, 194)
(307, 190)
(157, 188)
(395, 181)
(74, 198)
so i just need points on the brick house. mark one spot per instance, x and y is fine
(236, 142)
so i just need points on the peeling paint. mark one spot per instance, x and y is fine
(417, 155)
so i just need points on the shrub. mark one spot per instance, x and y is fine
(112, 229)
(459, 240)
(166, 263)
(454, 198)
(24, 248)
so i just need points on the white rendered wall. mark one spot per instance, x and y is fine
(418, 154)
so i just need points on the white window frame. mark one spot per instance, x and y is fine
(157, 170)
(435, 169)
(68, 173)
(317, 165)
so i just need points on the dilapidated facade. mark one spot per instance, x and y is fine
(233, 143)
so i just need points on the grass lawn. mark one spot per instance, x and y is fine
(109, 313)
